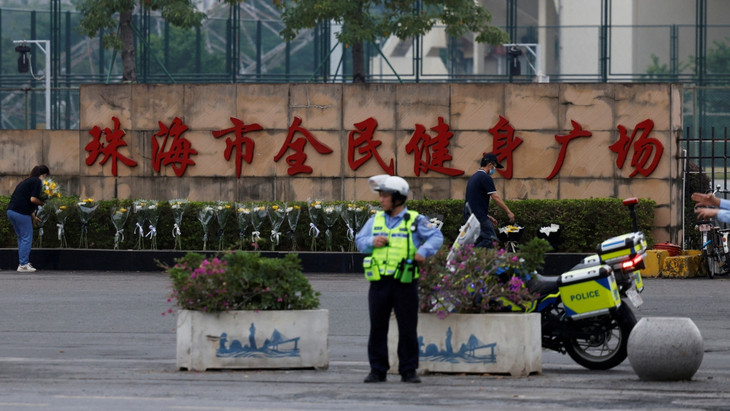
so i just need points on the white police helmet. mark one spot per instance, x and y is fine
(389, 184)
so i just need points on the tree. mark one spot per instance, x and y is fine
(115, 16)
(368, 20)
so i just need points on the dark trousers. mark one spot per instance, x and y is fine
(487, 235)
(385, 296)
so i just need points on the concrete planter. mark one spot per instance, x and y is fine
(499, 343)
(252, 339)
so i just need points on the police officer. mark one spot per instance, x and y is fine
(398, 240)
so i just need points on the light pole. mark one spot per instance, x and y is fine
(45, 46)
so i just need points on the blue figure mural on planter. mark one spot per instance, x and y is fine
(468, 352)
(275, 346)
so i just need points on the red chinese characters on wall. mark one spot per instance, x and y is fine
(430, 149)
(242, 145)
(645, 148)
(178, 151)
(504, 143)
(362, 140)
(430, 153)
(564, 140)
(297, 159)
(114, 140)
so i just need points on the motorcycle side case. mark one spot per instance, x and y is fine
(622, 248)
(589, 291)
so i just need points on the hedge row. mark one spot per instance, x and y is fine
(584, 224)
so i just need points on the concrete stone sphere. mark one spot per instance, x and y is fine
(665, 348)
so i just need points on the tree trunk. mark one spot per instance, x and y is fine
(129, 62)
(358, 63)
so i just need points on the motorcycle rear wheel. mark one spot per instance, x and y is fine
(606, 348)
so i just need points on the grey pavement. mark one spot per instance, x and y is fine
(99, 341)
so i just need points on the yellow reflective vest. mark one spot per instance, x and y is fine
(394, 258)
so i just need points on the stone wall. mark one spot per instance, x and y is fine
(331, 112)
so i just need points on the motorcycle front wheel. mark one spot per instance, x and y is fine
(605, 347)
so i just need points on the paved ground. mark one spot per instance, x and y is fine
(99, 341)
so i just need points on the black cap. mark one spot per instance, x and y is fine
(490, 158)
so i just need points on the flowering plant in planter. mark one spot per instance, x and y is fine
(240, 281)
(478, 280)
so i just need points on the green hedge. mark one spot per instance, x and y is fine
(585, 223)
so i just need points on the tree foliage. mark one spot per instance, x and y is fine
(114, 18)
(369, 20)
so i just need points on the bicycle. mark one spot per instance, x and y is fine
(715, 247)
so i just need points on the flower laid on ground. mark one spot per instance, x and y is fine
(276, 216)
(51, 189)
(42, 215)
(330, 214)
(222, 211)
(240, 281)
(353, 216)
(140, 212)
(292, 217)
(61, 211)
(258, 215)
(315, 215)
(205, 216)
(152, 211)
(178, 207)
(243, 215)
(479, 280)
(85, 207)
(119, 218)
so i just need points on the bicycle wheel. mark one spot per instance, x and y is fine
(712, 262)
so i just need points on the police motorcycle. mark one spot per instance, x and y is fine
(584, 310)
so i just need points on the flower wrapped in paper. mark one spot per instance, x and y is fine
(119, 218)
(61, 212)
(205, 216)
(86, 208)
(330, 214)
(292, 217)
(315, 215)
(44, 212)
(51, 189)
(277, 215)
(222, 211)
(258, 215)
(349, 216)
(243, 216)
(140, 212)
(152, 212)
(178, 208)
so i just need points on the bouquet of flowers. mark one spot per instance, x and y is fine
(222, 211)
(42, 215)
(258, 214)
(353, 221)
(292, 217)
(51, 189)
(119, 217)
(243, 215)
(140, 211)
(153, 215)
(178, 209)
(276, 216)
(330, 215)
(61, 211)
(85, 207)
(205, 215)
(315, 214)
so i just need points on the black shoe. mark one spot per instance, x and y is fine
(410, 376)
(375, 376)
